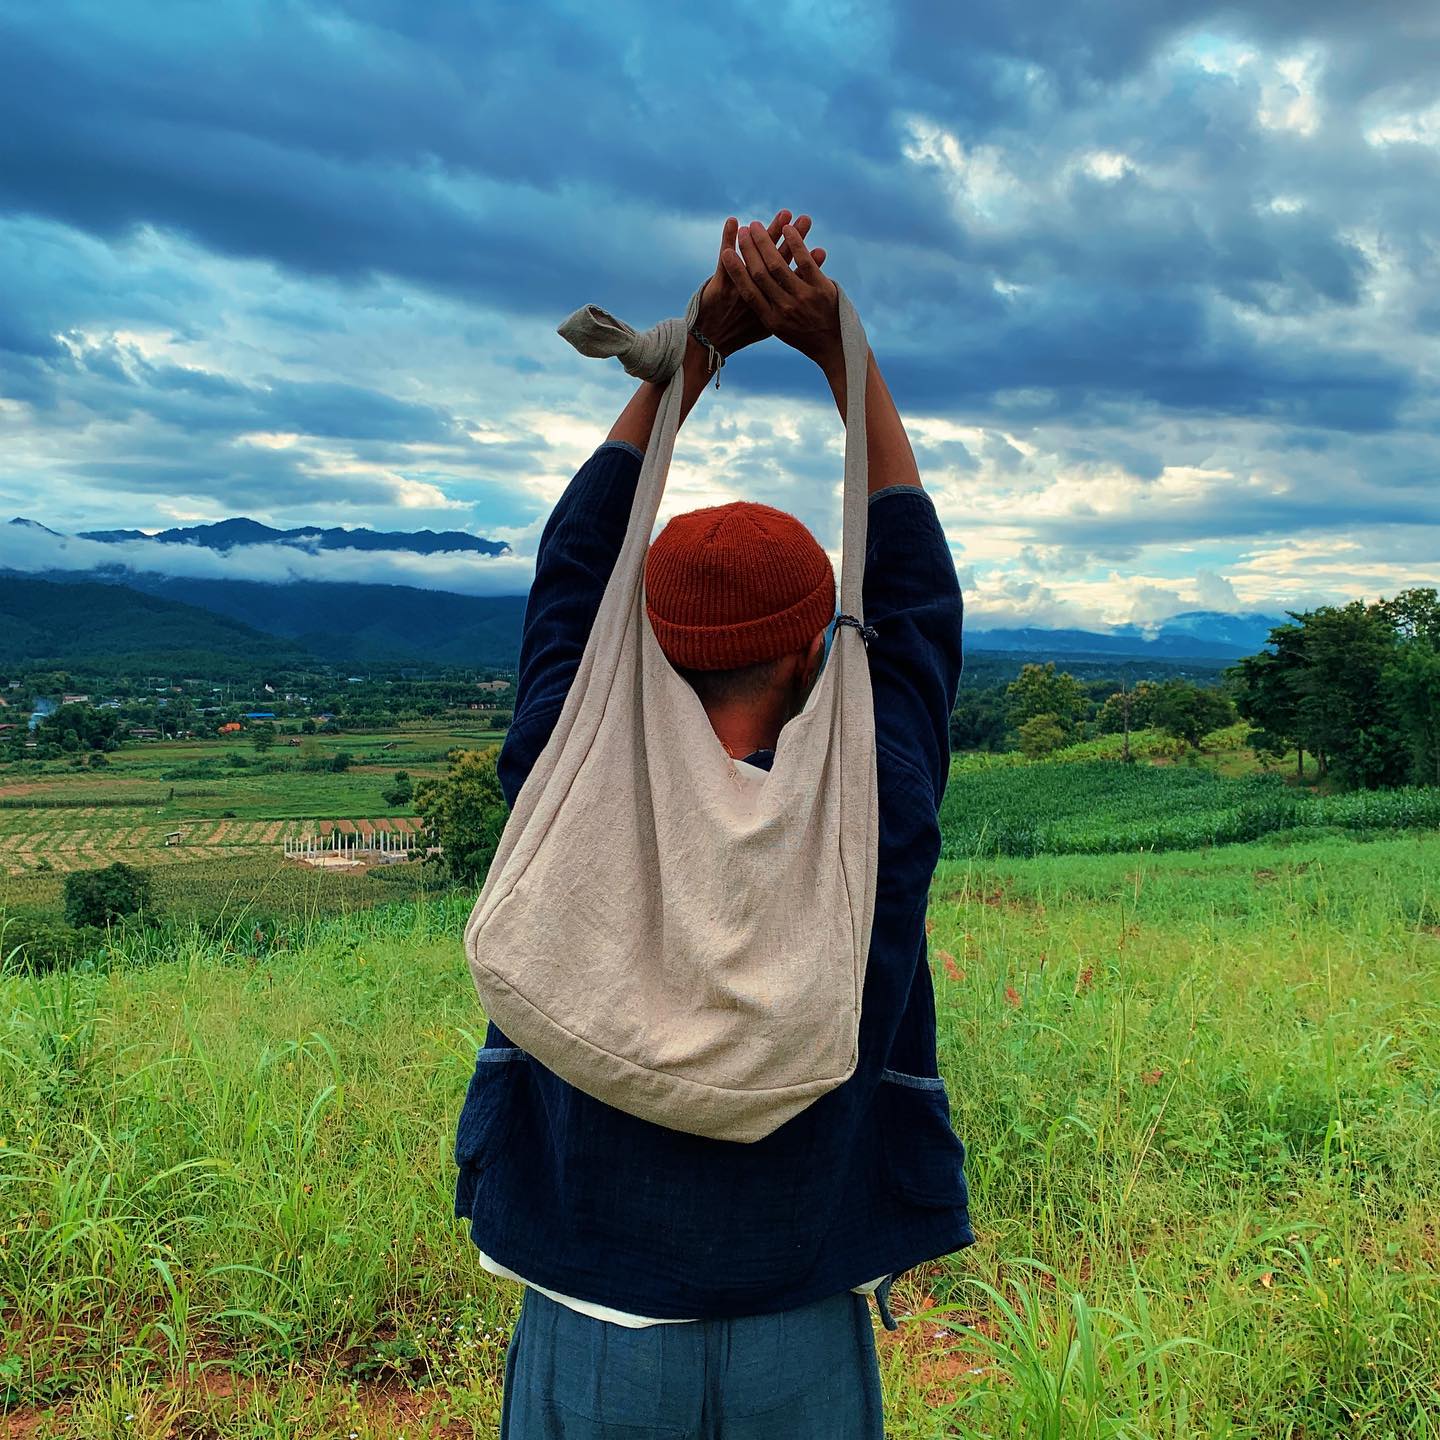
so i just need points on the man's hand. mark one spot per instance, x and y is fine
(800, 306)
(725, 319)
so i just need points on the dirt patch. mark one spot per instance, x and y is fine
(205, 1402)
(23, 1424)
(939, 1354)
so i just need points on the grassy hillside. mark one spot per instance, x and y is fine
(109, 628)
(1197, 1090)
(351, 623)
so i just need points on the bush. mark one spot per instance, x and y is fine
(464, 812)
(1040, 735)
(98, 897)
(401, 791)
(40, 942)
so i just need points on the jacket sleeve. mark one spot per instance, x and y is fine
(912, 599)
(578, 550)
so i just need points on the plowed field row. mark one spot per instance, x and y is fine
(88, 846)
(19, 822)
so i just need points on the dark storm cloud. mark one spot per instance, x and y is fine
(349, 141)
(1056, 221)
(1104, 39)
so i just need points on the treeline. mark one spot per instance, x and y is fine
(1356, 686)
(1044, 709)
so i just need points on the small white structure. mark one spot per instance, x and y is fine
(341, 850)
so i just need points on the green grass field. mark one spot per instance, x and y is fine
(226, 801)
(1086, 806)
(1199, 1091)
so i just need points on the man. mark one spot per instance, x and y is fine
(682, 1287)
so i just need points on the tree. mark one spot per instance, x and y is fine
(464, 812)
(1324, 687)
(401, 791)
(1041, 690)
(98, 897)
(340, 761)
(1345, 715)
(262, 737)
(1190, 712)
(77, 727)
(1413, 615)
(1112, 716)
(1042, 734)
(1413, 686)
(978, 721)
(1267, 694)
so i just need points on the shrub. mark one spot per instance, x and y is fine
(40, 942)
(98, 897)
(464, 811)
(401, 791)
(1041, 734)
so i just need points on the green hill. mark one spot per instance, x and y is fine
(99, 627)
(351, 623)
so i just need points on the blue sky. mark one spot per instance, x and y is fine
(1156, 283)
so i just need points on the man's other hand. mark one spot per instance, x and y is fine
(727, 320)
(800, 306)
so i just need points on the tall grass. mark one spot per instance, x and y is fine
(1199, 1098)
(1198, 1091)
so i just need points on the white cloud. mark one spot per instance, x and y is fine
(978, 177)
(1108, 165)
(28, 549)
(1417, 127)
(1287, 98)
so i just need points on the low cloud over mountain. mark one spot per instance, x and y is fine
(237, 550)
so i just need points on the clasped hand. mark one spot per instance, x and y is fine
(755, 292)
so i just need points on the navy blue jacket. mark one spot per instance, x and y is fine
(589, 1201)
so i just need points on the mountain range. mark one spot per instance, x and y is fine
(226, 535)
(1192, 635)
(81, 624)
(349, 623)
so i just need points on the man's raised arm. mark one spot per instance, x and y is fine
(912, 595)
(582, 538)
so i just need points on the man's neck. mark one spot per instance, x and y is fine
(744, 731)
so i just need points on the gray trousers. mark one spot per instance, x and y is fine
(805, 1374)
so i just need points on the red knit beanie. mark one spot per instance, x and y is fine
(736, 585)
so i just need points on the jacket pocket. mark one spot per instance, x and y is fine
(488, 1115)
(924, 1156)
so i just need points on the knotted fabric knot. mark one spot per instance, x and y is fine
(867, 632)
(654, 354)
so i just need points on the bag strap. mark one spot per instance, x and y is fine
(658, 354)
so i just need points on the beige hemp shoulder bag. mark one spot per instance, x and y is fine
(676, 937)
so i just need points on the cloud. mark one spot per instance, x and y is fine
(1153, 283)
(27, 549)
